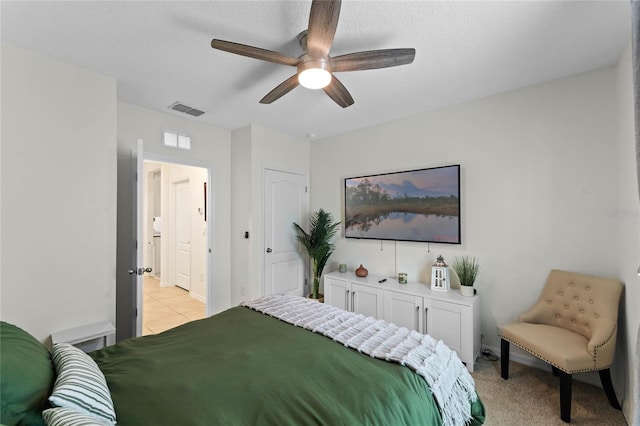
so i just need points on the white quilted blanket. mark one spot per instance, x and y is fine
(449, 381)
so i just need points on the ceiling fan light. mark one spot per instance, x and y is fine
(313, 73)
(314, 78)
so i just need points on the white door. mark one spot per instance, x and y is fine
(139, 269)
(285, 202)
(182, 234)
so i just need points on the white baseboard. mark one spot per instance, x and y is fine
(198, 297)
(521, 357)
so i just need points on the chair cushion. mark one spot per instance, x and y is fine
(559, 347)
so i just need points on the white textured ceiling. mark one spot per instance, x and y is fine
(159, 52)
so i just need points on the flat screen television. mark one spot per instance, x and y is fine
(415, 205)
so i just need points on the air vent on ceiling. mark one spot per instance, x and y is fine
(179, 106)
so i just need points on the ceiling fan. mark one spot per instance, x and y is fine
(315, 67)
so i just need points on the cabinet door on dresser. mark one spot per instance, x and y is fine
(366, 300)
(404, 310)
(445, 321)
(337, 292)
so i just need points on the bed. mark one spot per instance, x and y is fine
(247, 366)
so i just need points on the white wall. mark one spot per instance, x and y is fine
(242, 262)
(58, 194)
(626, 215)
(257, 148)
(210, 148)
(538, 184)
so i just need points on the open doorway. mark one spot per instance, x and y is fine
(175, 236)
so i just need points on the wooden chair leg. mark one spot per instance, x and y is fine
(565, 396)
(504, 359)
(605, 378)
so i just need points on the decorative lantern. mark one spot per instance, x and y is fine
(440, 275)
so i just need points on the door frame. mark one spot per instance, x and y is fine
(210, 198)
(263, 246)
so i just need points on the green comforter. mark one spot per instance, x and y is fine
(241, 367)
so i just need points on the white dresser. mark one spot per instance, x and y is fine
(444, 315)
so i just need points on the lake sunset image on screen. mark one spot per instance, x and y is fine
(416, 205)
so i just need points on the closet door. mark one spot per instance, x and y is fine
(285, 202)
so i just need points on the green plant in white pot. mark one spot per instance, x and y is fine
(317, 243)
(467, 269)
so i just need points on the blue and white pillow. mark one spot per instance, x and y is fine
(71, 417)
(80, 384)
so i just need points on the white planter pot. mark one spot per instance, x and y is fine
(466, 290)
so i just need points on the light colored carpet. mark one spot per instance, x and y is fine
(532, 397)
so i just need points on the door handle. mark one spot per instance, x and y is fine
(426, 320)
(269, 250)
(139, 271)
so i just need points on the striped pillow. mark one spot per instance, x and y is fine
(80, 384)
(71, 417)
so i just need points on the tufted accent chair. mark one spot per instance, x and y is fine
(573, 327)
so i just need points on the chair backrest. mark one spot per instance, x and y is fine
(584, 304)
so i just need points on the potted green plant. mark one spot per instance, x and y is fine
(466, 268)
(317, 243)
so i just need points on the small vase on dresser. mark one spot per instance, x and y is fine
(362, 272)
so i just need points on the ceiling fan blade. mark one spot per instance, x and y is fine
(338, 93)
(323, 21)
(372, 59)
(281, 90)
(254, 52)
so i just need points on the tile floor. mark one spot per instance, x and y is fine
(167, 307)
